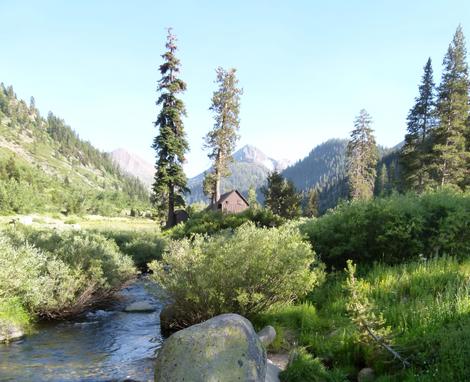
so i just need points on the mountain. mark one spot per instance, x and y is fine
(134, 165)
(324, 168)
(249, 169)
(325, 164)
(46, 166)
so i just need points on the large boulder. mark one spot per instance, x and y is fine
(225, 348)
(267, 335)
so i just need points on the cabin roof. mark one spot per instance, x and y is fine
(223, 197)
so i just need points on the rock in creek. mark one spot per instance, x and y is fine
(267, 335)
(139, 307)
(224, 348)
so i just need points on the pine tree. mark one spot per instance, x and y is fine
(208, 186)
(416, 152)
(362, 157)
(382, 181)
(221, 140)
(12, 169)
(170, 144)
(450, 158)
(252, 198)
(281, 197)
(393, 178)
(311, 209)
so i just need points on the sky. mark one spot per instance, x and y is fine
(307, 67)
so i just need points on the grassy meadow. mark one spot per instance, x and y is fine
(410, 291)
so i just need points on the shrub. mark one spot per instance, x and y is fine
(306, 368)
(394, 229)
(145, 248)
(210, 222)
(62, 273)
(243, 272)
(12, 312)
(141, 247)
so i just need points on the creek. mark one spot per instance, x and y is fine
(105, 344)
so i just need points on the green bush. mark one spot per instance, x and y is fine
(243, 272)
(210, 222)
(55, 274)
(13, 312)
(141, 247)
(306, 368)
(394, 229)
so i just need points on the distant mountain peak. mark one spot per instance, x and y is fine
(133, 164)
(252, 154)
(249, 169)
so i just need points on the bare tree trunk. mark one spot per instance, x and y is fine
(217, 176)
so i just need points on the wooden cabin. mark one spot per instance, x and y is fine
(232, 202)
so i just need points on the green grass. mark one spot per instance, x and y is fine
(13, 312)
(426, 304)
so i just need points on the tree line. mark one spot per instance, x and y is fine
(436, 150)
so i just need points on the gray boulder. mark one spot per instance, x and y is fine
(139, 307)
(267, 335)
(225, 348)
(272, 372)
(366, 375)
(10, 332)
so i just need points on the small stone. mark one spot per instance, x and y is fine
(267, 335)
(366, 375)
(139, 307)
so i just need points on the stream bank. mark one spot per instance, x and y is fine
(106, 344)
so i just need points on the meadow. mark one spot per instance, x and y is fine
(406, 289)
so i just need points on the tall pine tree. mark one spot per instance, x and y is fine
(362, 157)
(221, 140)
(416, 152)
(450, 158)
(170, 144)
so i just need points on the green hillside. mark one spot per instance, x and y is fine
(324, 168)
(45, 166)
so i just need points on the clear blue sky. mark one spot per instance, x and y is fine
(307, 67)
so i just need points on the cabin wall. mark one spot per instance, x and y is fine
(234, 204)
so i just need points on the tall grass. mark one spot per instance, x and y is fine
(426, 304)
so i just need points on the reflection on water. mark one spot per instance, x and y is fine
(104, 345)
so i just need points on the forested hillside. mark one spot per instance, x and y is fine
(324, 169)
(45, 166)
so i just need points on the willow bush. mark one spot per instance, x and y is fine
(394, 229)
(243, 272)
(55, 274)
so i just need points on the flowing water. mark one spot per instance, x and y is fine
(103, 345)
